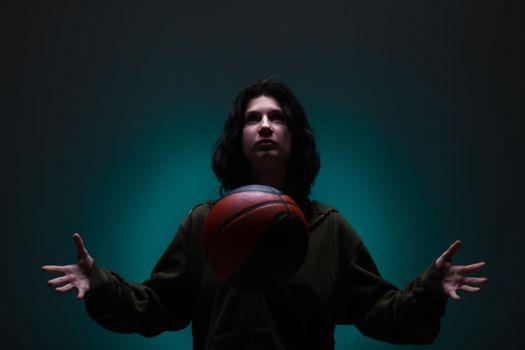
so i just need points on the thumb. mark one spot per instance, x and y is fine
(454, 247)
(447, 254)
(79, 244)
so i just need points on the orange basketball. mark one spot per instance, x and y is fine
(255, 237)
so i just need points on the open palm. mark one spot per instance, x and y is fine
(454, 277)
(75, 275)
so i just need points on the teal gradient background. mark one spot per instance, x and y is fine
(113, 109)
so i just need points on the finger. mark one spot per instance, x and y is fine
(469, 288)
(53, 268)
(477, 280)
(80, 294)
(79, 244)
(65, 288)
(454, 295)
(58, 280)
(472, 267)
(447, 255)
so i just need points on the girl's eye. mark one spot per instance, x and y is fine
(252, 118)
(277, 117)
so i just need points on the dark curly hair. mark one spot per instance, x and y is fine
(231, 166)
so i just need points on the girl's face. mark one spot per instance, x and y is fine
(266, 140)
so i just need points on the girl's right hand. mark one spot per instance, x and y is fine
(75, 275)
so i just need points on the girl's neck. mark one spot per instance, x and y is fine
(274, 177)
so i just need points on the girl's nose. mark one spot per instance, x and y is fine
(265, 128)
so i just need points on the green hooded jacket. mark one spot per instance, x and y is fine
(338, 283)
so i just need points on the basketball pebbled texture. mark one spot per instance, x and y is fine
(255, 237)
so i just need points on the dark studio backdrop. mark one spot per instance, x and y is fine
(110, 111)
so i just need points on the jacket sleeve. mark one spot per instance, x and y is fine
(161, 303)
(379, 310)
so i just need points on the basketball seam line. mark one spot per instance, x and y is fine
(285, 204)
(254, 247)
(241, 214)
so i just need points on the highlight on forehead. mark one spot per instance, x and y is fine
(262, 103)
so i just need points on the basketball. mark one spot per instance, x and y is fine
(255, 237)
